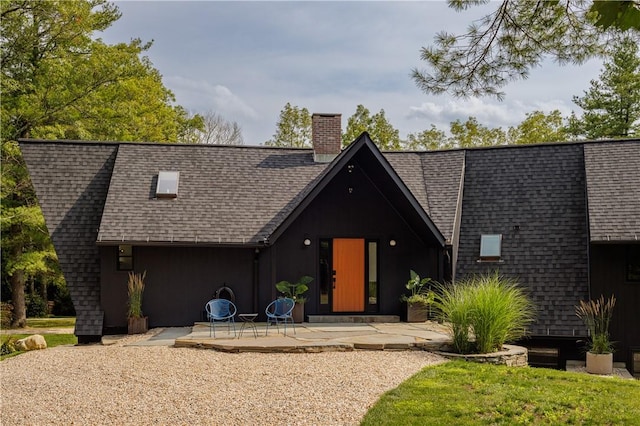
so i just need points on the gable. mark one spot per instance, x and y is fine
(383, 177)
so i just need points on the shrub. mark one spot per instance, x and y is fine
(6, 315)
(8, 345)
(63, 305)
(36, 306)
(490, 307)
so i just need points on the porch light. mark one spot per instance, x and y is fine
(392, 242)
(307, 242)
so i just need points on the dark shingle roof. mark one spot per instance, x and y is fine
(535, 197)
(226, 194)
(434, 179)
(613, 187)
(71, 181)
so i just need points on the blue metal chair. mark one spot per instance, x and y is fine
(280, 311)
(221, 310)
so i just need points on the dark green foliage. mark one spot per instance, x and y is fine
(505, 45)
(62, 303)
(8, 345)
(36, 306)
(6, 315)
(612, 104)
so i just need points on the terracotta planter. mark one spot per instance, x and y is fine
(138, 325)
(417, 312)
(599, 363)
(298, 313)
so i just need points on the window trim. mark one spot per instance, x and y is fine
(173, 177)
(628, 262)
(119, 263)
(490, 257)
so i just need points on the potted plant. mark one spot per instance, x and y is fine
(596, 315)
(138, 323)
(420, 300)
(296, 292)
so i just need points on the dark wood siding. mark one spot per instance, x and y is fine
(180, 280)
(608, 276)
(363, 212)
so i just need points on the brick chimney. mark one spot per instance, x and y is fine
(326, 130)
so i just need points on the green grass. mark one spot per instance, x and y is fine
(51, 339)
(53, 322)
(465, 393)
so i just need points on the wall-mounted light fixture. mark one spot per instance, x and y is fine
(307, 242)
(392, 242)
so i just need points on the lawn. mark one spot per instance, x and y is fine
(51, 339)
(53, 322)
(465, 393)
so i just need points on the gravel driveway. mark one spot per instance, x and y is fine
(119, 384)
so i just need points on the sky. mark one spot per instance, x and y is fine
(246, 60)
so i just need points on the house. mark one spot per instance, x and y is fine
(561, 218)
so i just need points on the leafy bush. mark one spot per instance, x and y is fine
(419, 294)
(8, 345)
(36, 306)
(6, 315)
(295, 290)
(63, 305)
(490, 307)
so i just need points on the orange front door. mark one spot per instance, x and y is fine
(348, 264)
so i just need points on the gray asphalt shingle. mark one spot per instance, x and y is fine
(613, 187)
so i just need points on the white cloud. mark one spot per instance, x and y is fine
(207, 96)
(489, 113)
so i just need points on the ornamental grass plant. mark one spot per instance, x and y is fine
(596, 315)
(135, 288)
(484, 312)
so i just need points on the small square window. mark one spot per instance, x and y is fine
(167, 184)
(490, 246)
(125, 258)
(633, 264)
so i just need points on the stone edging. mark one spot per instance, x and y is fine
(511, 356)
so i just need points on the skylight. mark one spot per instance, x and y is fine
(167, 184)
(490, 246)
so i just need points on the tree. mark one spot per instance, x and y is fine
(507, 43)
(293, 129)
(59, 82)
(612, 104)
(217, 130)
(471, 133)
(383, 134)
(538, 127)
(431, 140)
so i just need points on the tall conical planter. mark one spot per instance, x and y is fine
(599, 363)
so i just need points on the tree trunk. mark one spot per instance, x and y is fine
(19, 308)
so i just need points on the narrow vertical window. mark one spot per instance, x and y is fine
(490, 247)
(325, 274)
(125, 258)
(633, 263)
(372, 273)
